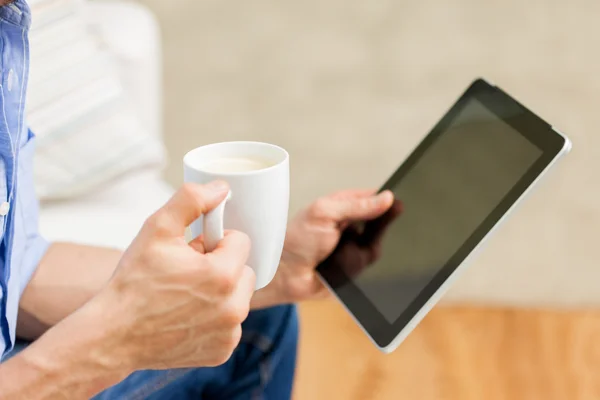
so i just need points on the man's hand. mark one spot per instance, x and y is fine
(177, 306)
(359, 248)
(311, 237)
(168, 305)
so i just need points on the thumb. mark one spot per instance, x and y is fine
(187, 205)
(360, 208)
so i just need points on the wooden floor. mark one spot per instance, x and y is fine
(457, 353)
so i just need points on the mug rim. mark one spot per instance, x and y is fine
(189, 155)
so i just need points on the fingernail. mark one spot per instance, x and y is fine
(385, 197)
(218, 187)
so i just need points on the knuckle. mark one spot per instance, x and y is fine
(189, 190)
(242, 240)
(245, 238)
(158, 223)
(227, 343)
(235, 336)
(221, 357)
(357, 207)
(235, 315)
(148, 255)
(365, 204)
(243, 311)
(249, 275)
(318, 208)
(245, 242)
(226, 282)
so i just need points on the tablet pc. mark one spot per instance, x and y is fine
(451, 192)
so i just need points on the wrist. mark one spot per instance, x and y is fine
(78, 358)
(271, 295)
(107, 337)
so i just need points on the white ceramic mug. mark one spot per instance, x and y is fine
(257, 204)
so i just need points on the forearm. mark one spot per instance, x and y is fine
(68, 276)
(74, 360)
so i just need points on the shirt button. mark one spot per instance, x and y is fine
(4, 208)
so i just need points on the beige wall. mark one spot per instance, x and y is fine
(349, 87)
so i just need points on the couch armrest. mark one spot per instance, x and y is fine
(91, 219)
(132, 34)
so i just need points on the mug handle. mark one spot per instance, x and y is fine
(212, 225)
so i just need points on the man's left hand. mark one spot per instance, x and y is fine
(311, 236)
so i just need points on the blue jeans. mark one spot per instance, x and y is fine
(262, 367)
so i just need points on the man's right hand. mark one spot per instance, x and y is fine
(170, 304)
(167, 305)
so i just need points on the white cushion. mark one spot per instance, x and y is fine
(88, 131)
(110, 217)
(131, 33)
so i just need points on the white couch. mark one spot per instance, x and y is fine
(112, 215)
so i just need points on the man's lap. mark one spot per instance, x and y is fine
(262, 367)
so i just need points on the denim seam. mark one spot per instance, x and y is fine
(158, 384)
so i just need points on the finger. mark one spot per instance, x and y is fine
(359, 262)
(247, 284)
(242, 295)
(198, 244)
(343, 225)
(231, 253)
(372, 253)
(187, 205)
(319, 289)
(375, 229)
(353, 193)
(360, 208)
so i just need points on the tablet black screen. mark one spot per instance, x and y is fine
(446, 194)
